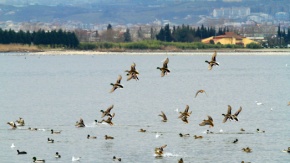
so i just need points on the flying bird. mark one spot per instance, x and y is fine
(235, 116)
(228, 115)
(164, 70)
(212, 62)
(185, 113)
(200, 91)
(159, 150)
(117, 84)
(208, 121)
(132, 73)
(107, 112)
(164, 118)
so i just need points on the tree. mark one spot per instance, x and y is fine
(127, 36)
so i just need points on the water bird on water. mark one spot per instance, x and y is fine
(117, 84)
(260, 131)
(91, 137)
(55, 132)
(38, 161)
(183, 135)
(286, 150)
(288, 103)
(21, 152)
(116, 159)
(247, 150)
(164, 118)
(235, 141)
(180, 160)
(20, 121)
(80, 123)
(198, 137)
(12, 145)
(142, 130)
(208, 121)
(242, 129)
(159, 150)
(108, 121)
(108, 137)
(209, 132)
(57, 155)
(50, 140)
(164, 69)
(213, 61)
(12, 124)
(200, 91)
(32, 129)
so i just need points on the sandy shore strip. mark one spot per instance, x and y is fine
(149, 52)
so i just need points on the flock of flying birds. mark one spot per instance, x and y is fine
(183, 115)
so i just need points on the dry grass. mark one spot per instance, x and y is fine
(18, 48)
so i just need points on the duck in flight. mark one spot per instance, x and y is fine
(117, 84)
(208, 121)
(200, 91)
(164, 70)
(212, 62)
(164, 118)
(132, 73)
(107, 112)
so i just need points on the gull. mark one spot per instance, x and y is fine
(259, 103)
(12, 145)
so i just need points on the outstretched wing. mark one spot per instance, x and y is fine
(213, 58)
(165, 63)
(238, 112)
(229, 110)
(119, 80)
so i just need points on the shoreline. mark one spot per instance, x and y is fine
(154, 52)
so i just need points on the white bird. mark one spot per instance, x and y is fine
(76, 158)
(221, 130)
(176, 110)
(12, 146)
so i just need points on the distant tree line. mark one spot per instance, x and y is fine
(52, 38)
(283, 36)
(187, 34)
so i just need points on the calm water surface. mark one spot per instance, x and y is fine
(53, 92)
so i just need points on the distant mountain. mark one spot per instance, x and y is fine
(126, 11)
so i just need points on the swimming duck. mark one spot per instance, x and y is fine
(116, 159)
(235, 116)
(213, 61)
(80, 123)
(287, 150)
(91, 137)
(117, 84)
(198, 137)
(260, 131)
(12, 124)
(228, 115)
(247, 150)
(107, 112)
(180, 160)
(159, 150)
(164, 70)
(38, 161)
(108, 137)
(200, 91)
(242, 129)
(208, 121)
(183, 135)
(288, 103)
(55, 132)
(142, 130)
(164, 118)
(50, 140)
(209, 132)
(57, 155)
(185, 113)
(32, 129)
(21, 152)
(235, 141)
(20, 122)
